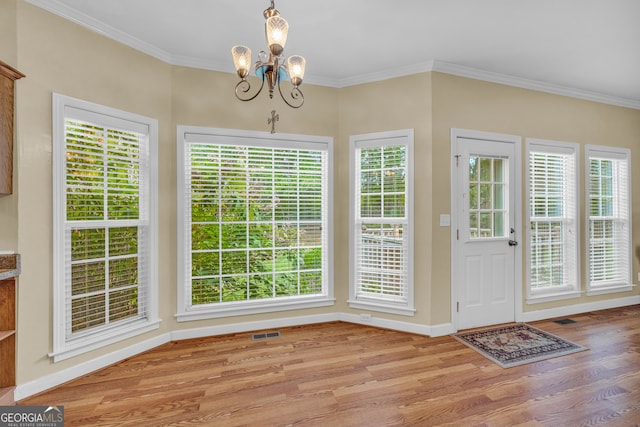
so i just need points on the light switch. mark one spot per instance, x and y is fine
(445, 220)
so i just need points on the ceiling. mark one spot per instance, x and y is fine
(584, 48)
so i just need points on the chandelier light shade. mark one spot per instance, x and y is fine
(271, 67)
(296, 64)
(241, 60)
(276, 30)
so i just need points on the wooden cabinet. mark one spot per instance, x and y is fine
(9, 270)
(7, 77)
(7, 340)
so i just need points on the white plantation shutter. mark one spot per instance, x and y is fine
(382, 209)
(104, 226)
(608, 212)
(553, 220)
(255, 222)
(382, 262)
(103, 223)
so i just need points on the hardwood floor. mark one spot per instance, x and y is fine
(342, 374)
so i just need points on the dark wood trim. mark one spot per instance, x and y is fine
(8, 71)
(8, 75)
(7, 340)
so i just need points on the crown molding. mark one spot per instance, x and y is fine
(66, 12)
(540, 86)
(73, 15)
(488, 76)
(376, 76)
(201, 63)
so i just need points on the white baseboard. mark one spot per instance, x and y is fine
(52, 380)
(442, 330)
(396, 325)
(379, 322)
(233, 328)
(30, 388)
(549, 313)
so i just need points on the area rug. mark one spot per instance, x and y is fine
(518, 344)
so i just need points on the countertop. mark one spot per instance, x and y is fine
(9, 266)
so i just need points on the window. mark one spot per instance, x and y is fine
(104, 189)
(488, 190)
(608, 214)
(553, 230)
(255, 230)
(382, 222)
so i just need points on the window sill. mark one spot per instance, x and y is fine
(213, 311)
(93, 342)
(537, 299)
(382, 307)
(609, 289)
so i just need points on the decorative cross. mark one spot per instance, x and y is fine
(272, 121)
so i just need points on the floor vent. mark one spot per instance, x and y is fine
(564, 321)
(265, 336)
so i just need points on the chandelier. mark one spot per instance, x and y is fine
(271, 67)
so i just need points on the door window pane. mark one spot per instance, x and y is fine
(487, 197)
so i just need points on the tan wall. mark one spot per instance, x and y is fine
(8, 41)
(76, 62)
(402, 103)
(73, 61)
(9, 55)
(472, 104)
(70, 60)
(206, 98)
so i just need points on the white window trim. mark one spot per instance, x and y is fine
(614, 153)
(406, 137)
(188, 312)
(572, 290)
(61, 348)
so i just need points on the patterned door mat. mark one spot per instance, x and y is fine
(518, 344)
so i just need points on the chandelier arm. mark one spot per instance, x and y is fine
(244, 86)
(296, 96)
(269, 68)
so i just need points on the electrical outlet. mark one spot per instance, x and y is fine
(366, 317)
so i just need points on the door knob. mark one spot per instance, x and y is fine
(513, 243)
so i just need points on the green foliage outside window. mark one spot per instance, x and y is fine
(102, 186)
(256, 223)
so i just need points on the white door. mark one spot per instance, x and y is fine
(486, 239)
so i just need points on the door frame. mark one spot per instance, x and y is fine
(519, 216)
